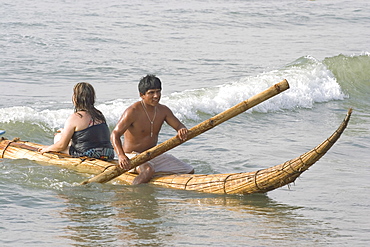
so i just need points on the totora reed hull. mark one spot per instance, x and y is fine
(260, 181)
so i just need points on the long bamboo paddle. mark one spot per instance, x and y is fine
(114, 171)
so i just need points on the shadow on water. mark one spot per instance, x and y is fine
(151, 216)
(145, 215)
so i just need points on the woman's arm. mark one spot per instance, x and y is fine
(66, 135)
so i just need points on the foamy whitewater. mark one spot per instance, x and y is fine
(310, 82)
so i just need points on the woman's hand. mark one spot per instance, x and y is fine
(44, 149)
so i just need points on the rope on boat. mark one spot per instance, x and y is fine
(186, 184)
(255, 179)
(106, 167)
(225, 180)
(7, 145)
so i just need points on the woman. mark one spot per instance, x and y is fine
(85, 132)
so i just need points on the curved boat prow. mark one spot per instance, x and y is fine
(277, 176)
(315, 154)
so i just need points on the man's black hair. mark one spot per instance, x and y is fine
(149, 82)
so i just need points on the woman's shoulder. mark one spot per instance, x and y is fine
(79, 118)
(80, 114)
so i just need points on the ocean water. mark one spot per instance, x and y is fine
(210, 55)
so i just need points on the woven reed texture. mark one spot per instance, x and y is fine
(195, 131)
(234, 183)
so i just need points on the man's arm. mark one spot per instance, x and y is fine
(174, 122)
(121, 127)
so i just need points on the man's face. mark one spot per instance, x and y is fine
(152, 96)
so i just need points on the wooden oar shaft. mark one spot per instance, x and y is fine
(115, 171)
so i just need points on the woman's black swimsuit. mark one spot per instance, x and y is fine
(93, 142)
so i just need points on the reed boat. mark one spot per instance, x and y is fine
(260, 181)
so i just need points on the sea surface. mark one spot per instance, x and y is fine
(210, 55)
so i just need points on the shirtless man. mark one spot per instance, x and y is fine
(140, 125)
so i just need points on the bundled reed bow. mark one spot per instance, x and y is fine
(115, 171)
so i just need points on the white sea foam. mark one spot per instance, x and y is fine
(310, 82)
